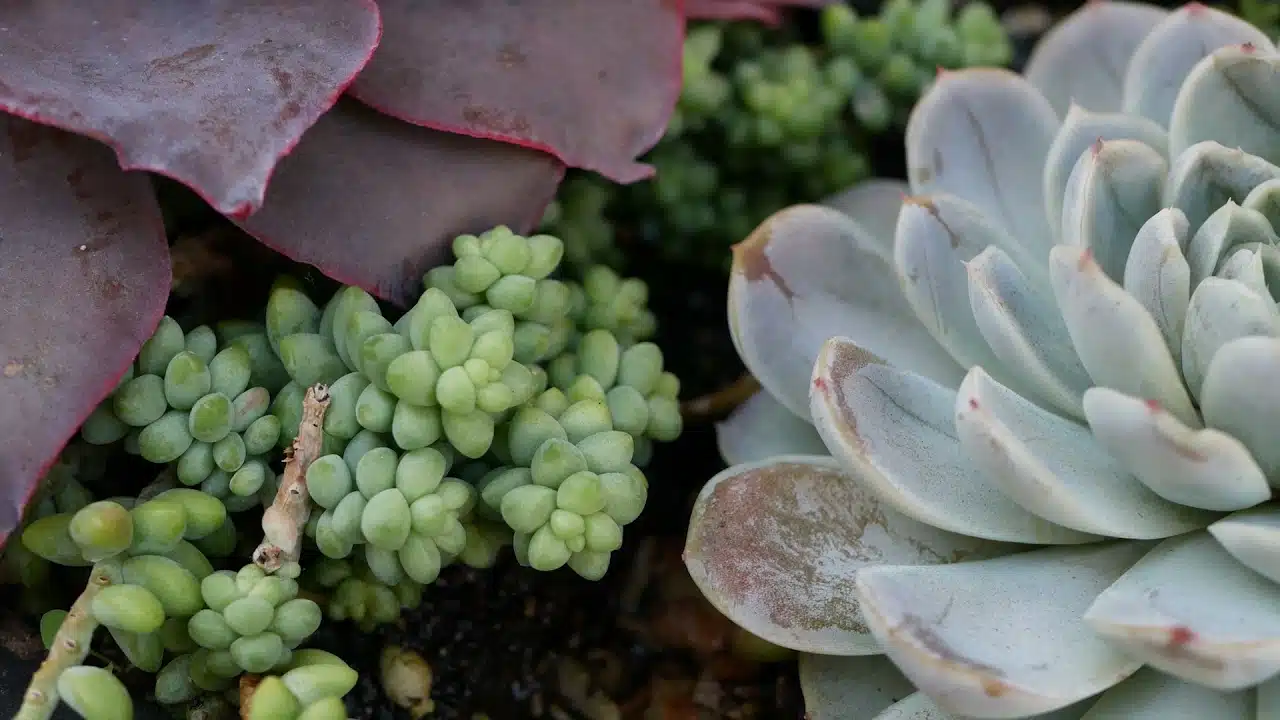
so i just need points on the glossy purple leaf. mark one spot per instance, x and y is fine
(210, 93)
(84, 277)
(593, 82)
(375, 202)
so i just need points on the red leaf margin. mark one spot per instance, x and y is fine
(135, 61)
(768, 12)
(73, 226)
(406, 73)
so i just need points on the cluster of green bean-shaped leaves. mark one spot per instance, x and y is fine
(509, 406)
(768, 119)
(500, 356)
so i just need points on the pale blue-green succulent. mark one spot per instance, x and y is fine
(1017, 444)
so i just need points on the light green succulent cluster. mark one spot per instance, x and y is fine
(356, 594)
(424, 408)
(765, 120)
(251, 622)
(191, 400)
(310, 687)
(1017, 432)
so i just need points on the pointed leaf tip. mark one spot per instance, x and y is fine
(497, 69)
(84, 277)
(212, 94)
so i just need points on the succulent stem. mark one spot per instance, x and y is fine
(721, 402)
(282, 523)
(70, 646)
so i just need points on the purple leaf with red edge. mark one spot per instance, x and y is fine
(375, 202)
(593, 82)
(84, 277)
(209, 93)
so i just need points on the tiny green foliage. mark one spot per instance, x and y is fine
(768, 119)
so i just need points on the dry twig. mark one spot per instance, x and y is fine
(70, 646)
(282, 523)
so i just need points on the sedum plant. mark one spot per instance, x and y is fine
(356, 136)
(1016, 445)
(510, 405)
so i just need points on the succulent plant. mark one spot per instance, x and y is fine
(353, 135)
(1017, 432)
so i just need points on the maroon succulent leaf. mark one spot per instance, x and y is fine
(375, 202)
(210, 93)
(592, 82)
(84, 277)
(768, 12)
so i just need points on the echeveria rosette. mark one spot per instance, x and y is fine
(1015, 428)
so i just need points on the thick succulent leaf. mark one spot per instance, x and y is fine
(502, 70)
(1222, 310)
(364, 199)
(1157, 274)
(1114, 188)
(1205, 468)
(776, 545)
(990, 639)
(983, 135)
(761, 428)
(1054, 467)
(1152, 695)
(1081, 130)
(1229, 226)
(1166, 57)
(1021, 324)
(1116, 338)
(84, 277)
(1231, 97)
(1167, 610)
(1083, 58)
(810, 273)
(210, 94)
(1252, 537)
(1238, 398)
(919, 706)
(1265, 198)
(1250, 267)
(874, 204)
(895, 433)
(850, 688)
(1208, 174)
(936, 239)
(916, 706)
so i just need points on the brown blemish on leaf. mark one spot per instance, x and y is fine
(922, 634)
(779, 541)
(928, 205)
(1086, 260)
(184, 61)
(510, 55)
(13, 368)
(750, 259)
(496, 121)
(843, 361)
